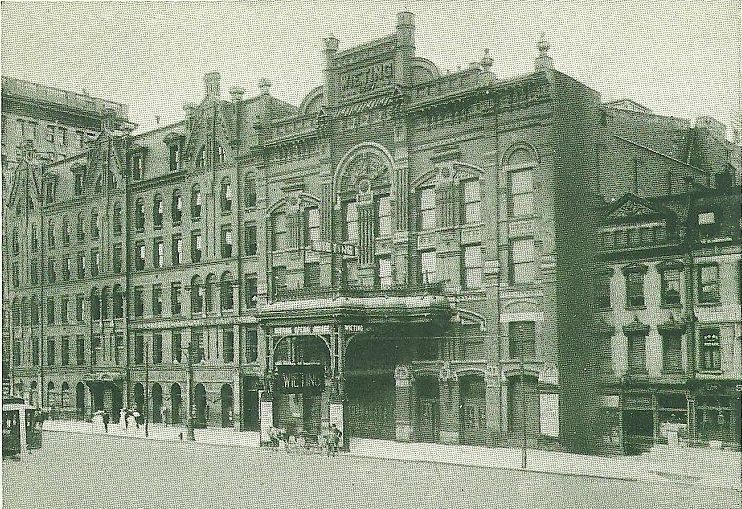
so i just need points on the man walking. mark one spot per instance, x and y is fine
(106, 419)
(333, 440)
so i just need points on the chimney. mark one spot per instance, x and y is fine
(236, 94)
(265, 86)
(190, 112)
(543, 61)
(211, 80)
(486, 62)
(406, 29)
(330, 44)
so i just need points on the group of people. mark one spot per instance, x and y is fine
(131, 418)
(280, 436)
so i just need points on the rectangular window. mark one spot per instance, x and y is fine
(50, 311)
(34, 272)
(138, 349)
(279, 231)
(51, 353)
(279, 278)
(157, 348)
(66, 268)
(251, 239)
(174, 157)
(251, 346)
(710, 350)
(672, 353)
(156, 300)
(522, 339)
(196, 247)
(94, 226)
(472, 202)
(80, 350)
(65, 351)
(708, 225)
(51, 273)
(50, 133)
(520, 187)
(383, 215)
(251, 197)
(311, 225)
(94, 349)
(708, 283)
(384, 272)
(158, 253)
(94, 262)
(79, 306)
(226, 241)
(311, 275)
(64, 309)
(35, 351)
(118, 353)
(635, 289)
(251, 293)
(139, 255)
(117, 259)
(637, 353)
(670, 287)
(427, 219)
(228, 345)
(81, 265)
(138, 301)
(196, 204)
(351, 221)
(137, 166)
(522, 261)
(603, 291)
(177, 347)
(350, 271)
(175, 299)
(177, 247)
(428, 263)
(472, 267)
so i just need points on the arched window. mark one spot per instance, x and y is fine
(226, 297)
(226, 195)
(118, 302)
(177, 207)
(65, 231)
(50, 394)
(208, 292)
(94, 304)
(197, 295)
(50, 234)
(157, 211)
(65, 401)
(80, 227)
(16, 312)
(139, 214)
(201, 159)
(34, 238)
(196, 203)
(94, 224)
(117, 223)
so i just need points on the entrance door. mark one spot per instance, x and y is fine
(638, 430)
(428, 418)
(156, 403)
(227, 402)
(250, 411)
(200, 397)
(473, 411)
(80, 400)
(312, 407)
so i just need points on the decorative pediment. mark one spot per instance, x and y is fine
(671, 325)
(636, 327)
(631, 209)
(364, 168)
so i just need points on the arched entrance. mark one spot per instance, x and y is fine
(427, 409)
(227, 402)
(473, 409)
(200, 400)
(156, 403)
(139, 397)
(80, 400)
(176, 401)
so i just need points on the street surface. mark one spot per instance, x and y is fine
(100, 471)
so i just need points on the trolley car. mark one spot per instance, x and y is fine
(21, 423)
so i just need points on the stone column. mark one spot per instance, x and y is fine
(692, 425)
(448, 388)
(266, 415)
(237, 400)
(366, 269)
(492, 395)
(403, 403)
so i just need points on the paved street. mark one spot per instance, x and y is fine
(81, 471)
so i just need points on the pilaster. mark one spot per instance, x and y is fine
(403, 403)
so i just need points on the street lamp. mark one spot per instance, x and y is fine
(524, 449)
(194, 351)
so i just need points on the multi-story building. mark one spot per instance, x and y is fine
(58, 123)
(408, 254)
(670, 292)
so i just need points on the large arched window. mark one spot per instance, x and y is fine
(157, 211)
(117, 222)
(226, 296)
(197, 295)
(104, 302)
(177, 207)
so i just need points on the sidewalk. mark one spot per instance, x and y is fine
(706, 467)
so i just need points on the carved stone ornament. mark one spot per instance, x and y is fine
(402, 373)
(446, 373)
(369, 166)
(631, 209)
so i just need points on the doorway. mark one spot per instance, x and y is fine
(227, 402)
(201, 412)
(428, 410)
(156, 403)
(80, 400)
(473, 410)
(176, 400)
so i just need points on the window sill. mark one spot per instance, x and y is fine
(635, 308)
(671, 306)
(226, 212)
(176, 223)
(673, 372)
(709, 304)
(710, 371)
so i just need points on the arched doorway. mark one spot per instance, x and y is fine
(200, 401)
(139, 397)
(227, 402)
(156, 403)
(427, 409)
(176, 401)
(473, 410)
(80, 400)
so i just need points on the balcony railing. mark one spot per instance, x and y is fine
(284, 294)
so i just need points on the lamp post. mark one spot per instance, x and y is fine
(524, 449)
(193, 351)
(146, 389)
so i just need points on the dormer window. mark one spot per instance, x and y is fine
(174, 157)
(137, 166)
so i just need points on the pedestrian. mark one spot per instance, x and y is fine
(122, 418)
(334, 440)
(127, 414)
(106, 419)
(137, 416)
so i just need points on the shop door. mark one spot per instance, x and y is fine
(250, 410)
(428, 418)
(312, 419)
(473, 411)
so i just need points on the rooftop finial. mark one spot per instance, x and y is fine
(486, 61)
(265, 86)
(543, 45)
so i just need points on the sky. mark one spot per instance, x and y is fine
(679, 58)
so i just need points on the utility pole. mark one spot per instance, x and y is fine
(524, 449)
